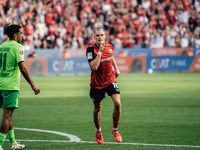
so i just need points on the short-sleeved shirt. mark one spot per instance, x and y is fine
(104, 75)
(11, 53)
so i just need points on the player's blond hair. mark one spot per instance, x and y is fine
(98, 29)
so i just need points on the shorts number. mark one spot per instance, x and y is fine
(115, 85)
(3, 61)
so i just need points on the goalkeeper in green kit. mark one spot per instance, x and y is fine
(11, 63)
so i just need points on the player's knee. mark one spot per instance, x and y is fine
(7, 114)
(117, 105)
(97, 108)
(7, 117)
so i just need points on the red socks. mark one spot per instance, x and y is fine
(115, 123)
(97, 124)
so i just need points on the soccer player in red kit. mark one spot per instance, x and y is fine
(101, 61)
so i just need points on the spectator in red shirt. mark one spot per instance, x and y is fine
(29, 28)
(52, 28)
(153, 22)
(49, 17)
(139, 36)
(136, 22)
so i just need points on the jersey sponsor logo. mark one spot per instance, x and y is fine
(21, 52)
(106, 59)
(89, 55)
(110, 50)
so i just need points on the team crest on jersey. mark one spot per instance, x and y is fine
(110, 50)
(21, 52)
(89, 55)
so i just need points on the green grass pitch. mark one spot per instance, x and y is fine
(156, 109)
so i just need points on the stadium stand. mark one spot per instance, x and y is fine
(61, 24)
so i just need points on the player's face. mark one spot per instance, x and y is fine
(99, 36)
(20, 36)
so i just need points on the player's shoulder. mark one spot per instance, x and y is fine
(90, 48)
(111, 44)
(18, 48)
(18, 45)
(3, 44)
(13, 45)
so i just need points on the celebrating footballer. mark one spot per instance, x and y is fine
(101, 61)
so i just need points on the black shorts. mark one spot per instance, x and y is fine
(98, 95)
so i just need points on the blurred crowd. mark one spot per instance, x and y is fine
(63, 24)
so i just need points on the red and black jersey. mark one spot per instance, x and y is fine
(104, 75)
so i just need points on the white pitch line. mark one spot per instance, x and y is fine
(74, 138)
(89, 142)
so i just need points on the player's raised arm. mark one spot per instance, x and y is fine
(96, 62)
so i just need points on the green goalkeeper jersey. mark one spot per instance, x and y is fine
(11, 53)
